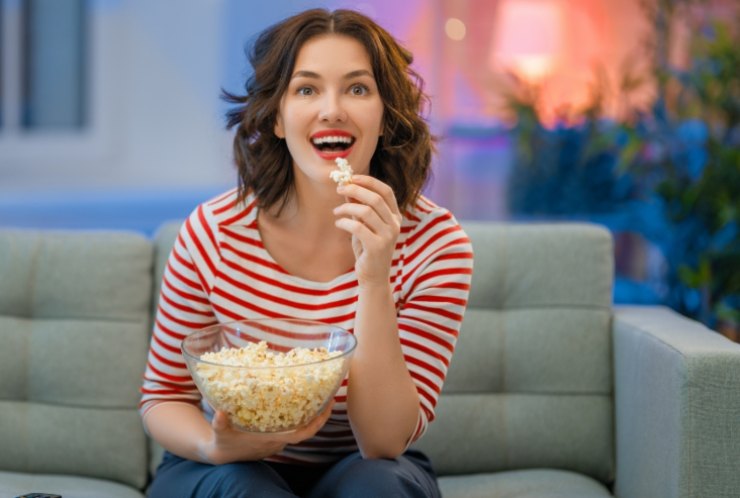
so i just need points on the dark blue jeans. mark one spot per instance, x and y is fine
(411, 475)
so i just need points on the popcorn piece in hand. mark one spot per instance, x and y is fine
(342, 175)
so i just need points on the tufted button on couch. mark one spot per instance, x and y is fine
(552, 392)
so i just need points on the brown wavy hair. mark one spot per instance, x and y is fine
(403, 156)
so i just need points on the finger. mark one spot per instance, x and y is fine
(313, 427)
(327, 411)
(377, 186)
(364, 214)
(372, 210)
(321, 418)
(355, 228)
(220, 421)
(378, 195)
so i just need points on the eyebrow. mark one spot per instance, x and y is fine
(348, 76)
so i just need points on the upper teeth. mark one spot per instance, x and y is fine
(332, 139)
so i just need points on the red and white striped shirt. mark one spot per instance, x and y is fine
(219, 271)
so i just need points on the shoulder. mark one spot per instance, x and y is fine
(426, 221)
(202, 229)
(223, 209)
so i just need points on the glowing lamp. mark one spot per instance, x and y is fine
(527, 37)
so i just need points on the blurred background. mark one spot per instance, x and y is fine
(623, 113)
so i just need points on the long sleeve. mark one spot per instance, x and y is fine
(184, 306)
(438, 266)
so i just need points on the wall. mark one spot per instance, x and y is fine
(158, 136)
(158, 68)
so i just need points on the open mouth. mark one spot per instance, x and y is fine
(332, 143)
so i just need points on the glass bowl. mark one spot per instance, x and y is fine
(269, 375)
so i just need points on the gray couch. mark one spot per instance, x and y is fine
(552, 391)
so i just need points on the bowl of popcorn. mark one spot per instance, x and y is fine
(269, 375)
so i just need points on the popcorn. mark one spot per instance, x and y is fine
(342, 175)
(269, 399)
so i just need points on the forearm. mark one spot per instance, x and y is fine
(180, 428)
(382, 399)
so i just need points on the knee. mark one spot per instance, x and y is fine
(243, 480)
(380, 477)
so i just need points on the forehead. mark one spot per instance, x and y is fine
(333, 50)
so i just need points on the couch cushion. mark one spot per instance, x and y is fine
(13, 484)
(495, 432)
(531, 376)
(523, 484)
(74, 320)
(532, 350)
(540, 265)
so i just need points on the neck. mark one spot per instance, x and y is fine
(307, 211)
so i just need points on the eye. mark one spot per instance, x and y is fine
(304, 91)
(359, 89)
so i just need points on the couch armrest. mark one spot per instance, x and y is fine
(677, 396)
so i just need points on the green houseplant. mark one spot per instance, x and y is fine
(569, 169)
(673, 165)
(684, 152)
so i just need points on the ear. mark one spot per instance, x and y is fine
(279, 131)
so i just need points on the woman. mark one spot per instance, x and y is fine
(373, 256)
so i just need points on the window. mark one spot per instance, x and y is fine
(42, 74)
(54, 77)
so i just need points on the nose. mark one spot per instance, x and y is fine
(332, 110)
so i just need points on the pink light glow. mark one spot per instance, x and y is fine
(528, 37)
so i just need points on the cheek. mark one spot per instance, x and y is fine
(284, 120)
(378, 120)
(381, 119)
(295, 118)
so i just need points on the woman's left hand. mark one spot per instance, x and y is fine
(373, 219)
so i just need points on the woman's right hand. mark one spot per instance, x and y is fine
(229, 444)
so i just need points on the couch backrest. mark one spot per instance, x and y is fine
(74, 328)
(530, 384)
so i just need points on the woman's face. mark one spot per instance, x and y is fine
(331, 108)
